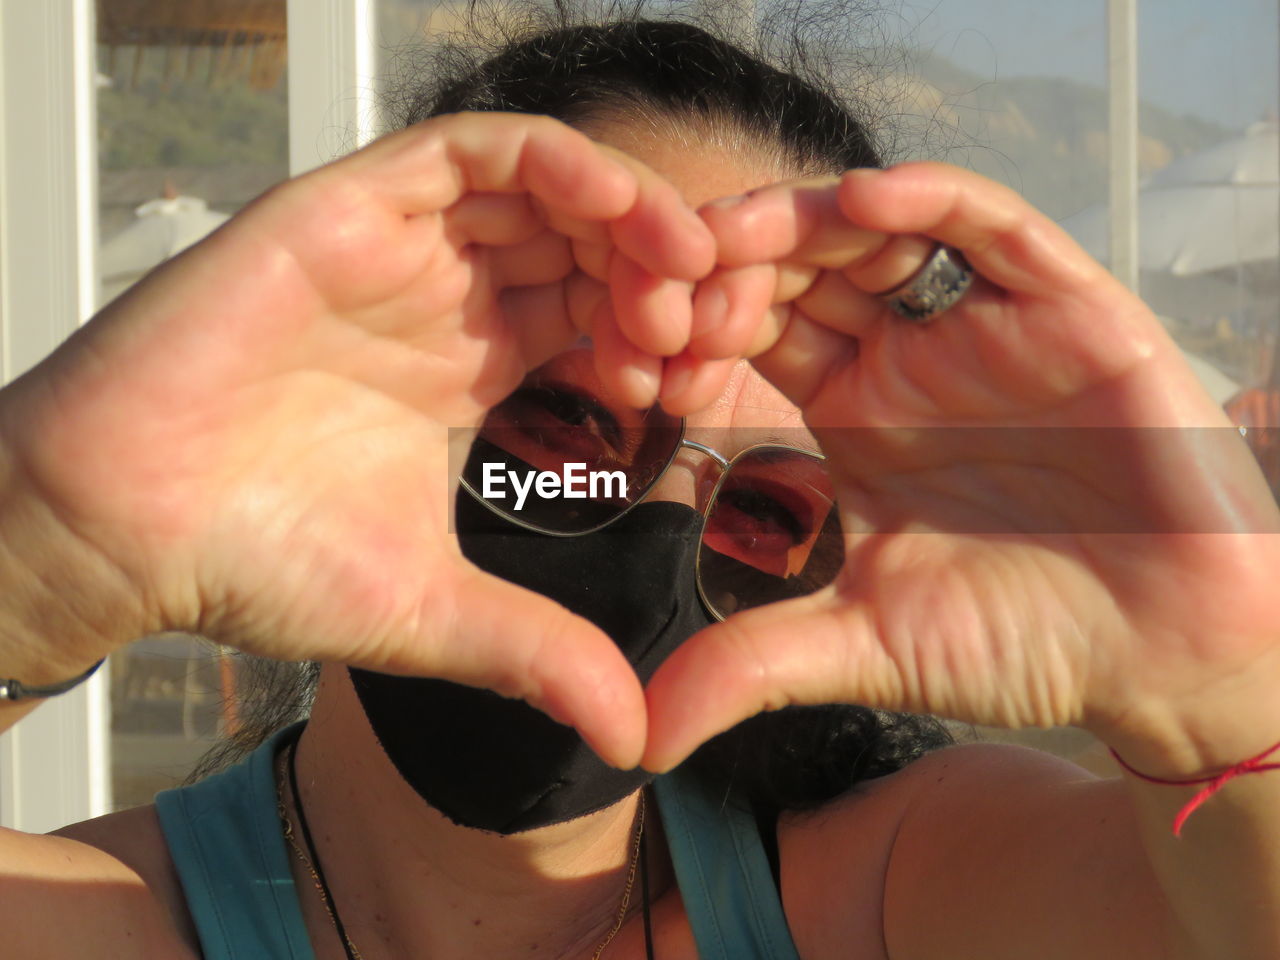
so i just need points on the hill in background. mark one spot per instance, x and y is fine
(1044, 136)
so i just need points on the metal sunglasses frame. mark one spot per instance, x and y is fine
(725, 464)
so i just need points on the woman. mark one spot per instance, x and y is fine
(256, 444)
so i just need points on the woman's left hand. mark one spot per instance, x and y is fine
(1007, 563)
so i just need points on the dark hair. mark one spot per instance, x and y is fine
(669, 69)
(545, 62)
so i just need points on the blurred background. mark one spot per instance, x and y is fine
(1152, 121)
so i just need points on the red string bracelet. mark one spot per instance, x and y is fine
(1215, 783)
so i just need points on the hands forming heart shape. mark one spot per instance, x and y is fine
(254, 442)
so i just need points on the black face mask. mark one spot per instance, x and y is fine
(500, 765)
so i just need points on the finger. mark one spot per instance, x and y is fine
(541, 321)
(593, 259)
(836, 303)
(546, 320)
(803, 357)
(802, 229)
(1003, 237)
(654, 313)
(587, 297)
(626, 372)
(495, 219)
(590, 231)
(727, 308)
(800, 221)
(543, 258)
(660, 232)
(690, 384)
(554, 660)
(900, 258)
(753, 296)
(419, 240)
(432, 165)
(833, 301)
(753, 661)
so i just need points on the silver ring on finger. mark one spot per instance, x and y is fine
(935, 288)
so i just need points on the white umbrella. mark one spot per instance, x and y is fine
(1210, 210)
(1217, 384)
(163, 228)
(1251, 159)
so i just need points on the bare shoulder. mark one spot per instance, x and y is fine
(986, 848)
(835, 861)
(124, 886)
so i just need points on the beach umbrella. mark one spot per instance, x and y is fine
(1212, 210)
(1251, 160)
(161, 228)
(1217, 384)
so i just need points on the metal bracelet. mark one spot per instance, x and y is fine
(17, 690)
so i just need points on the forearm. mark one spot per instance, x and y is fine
(1221, 876)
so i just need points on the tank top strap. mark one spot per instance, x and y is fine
(225, 839)
(723, 873)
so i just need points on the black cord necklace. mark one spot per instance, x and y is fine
(322, 885)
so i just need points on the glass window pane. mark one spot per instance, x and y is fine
(1017, 92)
(172, 697)
(1210, 246)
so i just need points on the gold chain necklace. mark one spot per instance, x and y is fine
(631, 879)
(353, 952)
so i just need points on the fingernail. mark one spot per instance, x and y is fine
(727, 203)
(863, 173)
(643, 386)
(710, 310)
(676, 381)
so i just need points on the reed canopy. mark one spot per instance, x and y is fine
(222, 40)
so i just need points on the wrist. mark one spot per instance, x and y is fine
(13, 690)
(1201, 739)
(63, 606)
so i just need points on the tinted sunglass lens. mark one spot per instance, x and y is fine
(559, 458)
(772, 531)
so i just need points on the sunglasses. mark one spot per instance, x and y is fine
(560, 459)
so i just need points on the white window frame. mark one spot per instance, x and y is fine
(55, 765)
(332, 79)
(1122, 94)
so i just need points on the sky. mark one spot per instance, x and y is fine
(1212, 58)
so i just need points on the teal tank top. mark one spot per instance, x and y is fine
(225, 840)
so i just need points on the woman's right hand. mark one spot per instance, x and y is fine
(255, 439)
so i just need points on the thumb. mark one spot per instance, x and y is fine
(805, 651)
(520, 644)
